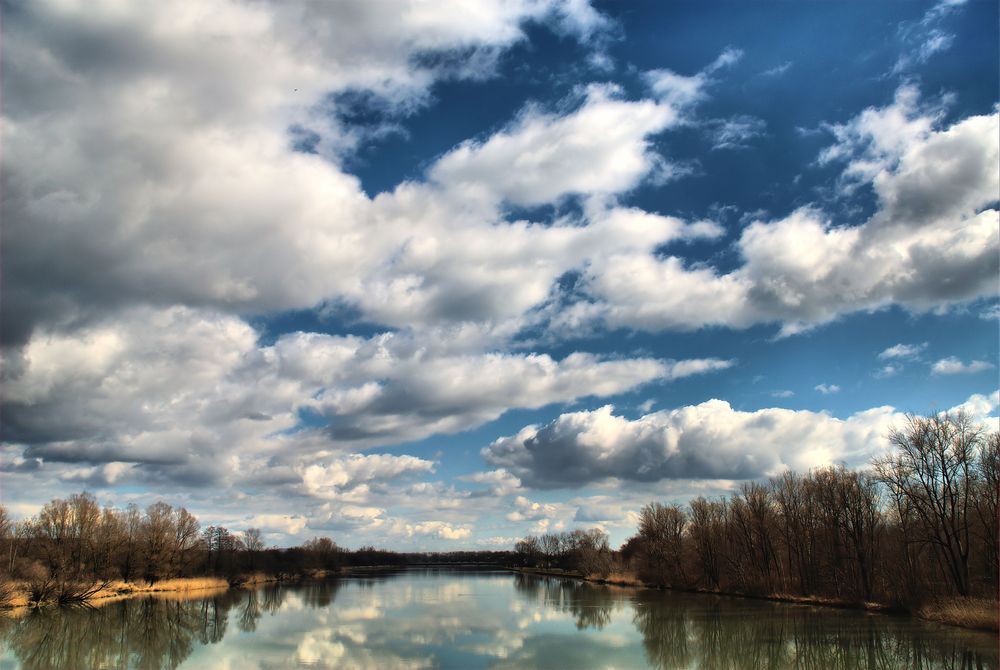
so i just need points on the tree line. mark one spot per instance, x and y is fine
(74, 548)
(920, 522)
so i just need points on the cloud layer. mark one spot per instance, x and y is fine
(710, 440)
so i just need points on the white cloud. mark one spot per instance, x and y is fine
(827, 389)
(212, 400)
(331, 477)
(529, 510)
(188, 111)
(932, 242)
(184, 209)
(924, 38)
(283, 524)
(981, 408)
(601, 148)
(500, 482)
(438, 529)
(710, 440)
(605, 511)
(785, 393)
(777, 70)
(682, 91)
(903, 351)
(736, 132)
(886, 371)
(953, 366)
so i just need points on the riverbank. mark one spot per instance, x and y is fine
(971, 613)
(100, 593)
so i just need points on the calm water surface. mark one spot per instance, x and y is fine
(451, 619)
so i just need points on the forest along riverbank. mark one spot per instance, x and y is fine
(915, 532)
(971, 613)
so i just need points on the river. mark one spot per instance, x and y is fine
(425, 618)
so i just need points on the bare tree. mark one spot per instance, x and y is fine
(663, 528)
(986, 506)
(253, 543)
(529, 550)
(705, 530)
(933, 469)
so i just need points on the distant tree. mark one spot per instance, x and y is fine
(529, 551)
(131, 536)
(324, 551)
(185, 540)
(221, 547)
(253, 543)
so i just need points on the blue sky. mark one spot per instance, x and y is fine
(437, 275)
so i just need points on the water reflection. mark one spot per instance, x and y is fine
(476, 620)
(139, 633)
(716, 633)
(591, 605)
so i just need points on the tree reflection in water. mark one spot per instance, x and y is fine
(591, 605)
(424, 619)
(718, 633)
(152, 632)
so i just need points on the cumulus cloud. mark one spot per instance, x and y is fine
(827, 389)
(438, 529)
(331, 477)
(184, 209)
(500, 482)
(207, 387)
(710, 440)
(953, 366)
(192, 114)
(981, 408)
(933, 240)
(529, 510)
(601, 148)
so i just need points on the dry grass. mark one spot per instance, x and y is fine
(620, 579)
(116, 590)
(979, 613)
(16, 594)
(188, 584)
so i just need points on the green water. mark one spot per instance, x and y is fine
(453, 619)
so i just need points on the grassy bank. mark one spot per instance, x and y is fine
(974, 613)
(978, 613)
(99, 593)
(20, 592)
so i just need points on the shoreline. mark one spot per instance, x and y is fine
(176, 586)
(943, 612)
(951, 612)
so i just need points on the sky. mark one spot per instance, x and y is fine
(438, 274)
